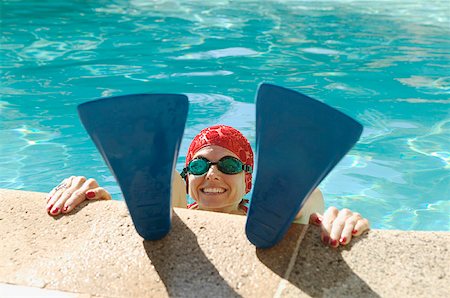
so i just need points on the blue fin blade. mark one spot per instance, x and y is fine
(139, 137)
(298, 142)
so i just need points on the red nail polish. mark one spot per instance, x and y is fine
(65, 208)
(49, 208)
(326, 240)
(55, 211)
(90, 194)
(343, 240)
(333, 242)
(354, 232)
(318, 220)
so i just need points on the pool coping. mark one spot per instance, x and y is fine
(95, 252)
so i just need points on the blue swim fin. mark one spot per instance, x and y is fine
(298, 141)
(139, 137)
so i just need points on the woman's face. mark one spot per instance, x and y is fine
(215, 190)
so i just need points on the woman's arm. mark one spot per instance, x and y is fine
(71, 192)
(74, 190)
(178, 191)
(314, 204)
(338, 226)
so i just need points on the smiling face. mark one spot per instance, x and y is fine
(216, 191)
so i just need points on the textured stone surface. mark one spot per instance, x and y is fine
(95, 252)
(380, 264)
(14, 291)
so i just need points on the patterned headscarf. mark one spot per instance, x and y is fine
(228, 138)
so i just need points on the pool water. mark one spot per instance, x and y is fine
(385, 64)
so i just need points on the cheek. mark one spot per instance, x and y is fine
(194, 182)
(239, 184)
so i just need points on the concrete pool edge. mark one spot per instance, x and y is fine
(96, 252)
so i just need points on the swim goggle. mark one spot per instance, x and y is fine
(228, 165)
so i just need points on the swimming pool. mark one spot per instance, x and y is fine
(385, 64)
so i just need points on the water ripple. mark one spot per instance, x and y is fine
(215, 54)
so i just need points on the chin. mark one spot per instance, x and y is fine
(212, 203)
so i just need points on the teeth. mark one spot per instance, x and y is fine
(213, 190)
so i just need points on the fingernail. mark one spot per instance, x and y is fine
(333, 242)
(343, 240)
(318, 220)
(326, 240)
(65, 208)
(55, 211)
(354, 231)
(49, 207)
(90, 194)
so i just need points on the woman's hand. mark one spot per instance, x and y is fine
(339, 226)
(71, 192)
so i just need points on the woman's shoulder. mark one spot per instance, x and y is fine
(243, 205)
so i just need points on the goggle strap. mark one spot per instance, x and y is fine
(247, 168)
(184, 173)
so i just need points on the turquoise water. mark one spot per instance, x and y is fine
(385, 64)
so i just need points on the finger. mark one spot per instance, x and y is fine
(361, 226)
(56, 193)
(98, 193)
(91, 188)
(350, 223)
(79, 195)
(54, 207)
(315, 219)
(327, 222)
(52, 192)
(76, 184)
(55, 189)
(338, 226)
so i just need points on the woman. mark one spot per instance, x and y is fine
(217, 175)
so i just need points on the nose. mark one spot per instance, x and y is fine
(213, 173)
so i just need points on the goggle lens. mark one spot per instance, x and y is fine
(198, 166)
(230, 165)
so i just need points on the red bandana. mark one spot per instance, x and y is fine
(228, 138)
